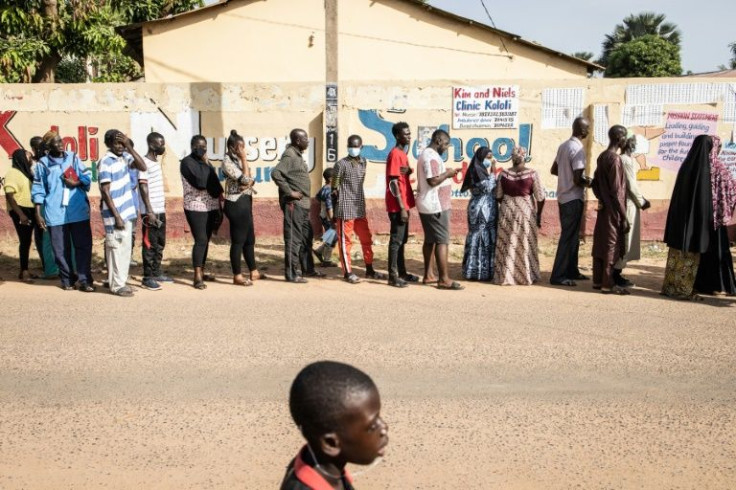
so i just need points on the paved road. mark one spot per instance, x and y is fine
(487, 388)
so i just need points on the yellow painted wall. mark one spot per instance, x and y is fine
(284, 41)
(243, 41)
(397, 40)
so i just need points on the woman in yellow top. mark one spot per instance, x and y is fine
(18, 182)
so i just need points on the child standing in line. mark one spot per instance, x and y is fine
(338, 410)
(329, 237)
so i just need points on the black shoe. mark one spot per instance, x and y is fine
(581, 277)
(621, 281)
(315, 274)
(86, 287)
(397, 282)
(297, 280)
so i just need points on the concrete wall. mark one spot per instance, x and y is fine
(265, 113)
(284, 41)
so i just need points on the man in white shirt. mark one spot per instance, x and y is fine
(569, 166)
(153, 208)
(434, 203)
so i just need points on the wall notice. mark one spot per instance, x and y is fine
(680, 130)
(728, 157)
(489, 107)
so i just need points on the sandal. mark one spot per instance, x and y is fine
(244, 282)
(427, 282)
(454, 286)
(352, 279)
(564, 282)
(410, 278)
(617, 290)
(124, 292)
(199, 285)
(259, 276)
(209, 278)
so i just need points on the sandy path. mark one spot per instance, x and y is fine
(523, 387)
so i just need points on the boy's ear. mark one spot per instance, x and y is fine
(330, 444)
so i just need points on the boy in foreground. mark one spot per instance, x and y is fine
(337, 408)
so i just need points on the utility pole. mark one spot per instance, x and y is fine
(331, 83)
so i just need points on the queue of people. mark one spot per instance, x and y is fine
(47, 189)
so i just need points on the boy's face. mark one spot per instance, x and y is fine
(365, 435)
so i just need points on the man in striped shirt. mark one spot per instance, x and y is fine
(118, 207)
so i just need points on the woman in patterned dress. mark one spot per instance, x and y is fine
(480, 244)
(521, 197)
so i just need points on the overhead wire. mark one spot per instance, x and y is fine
(494, 25)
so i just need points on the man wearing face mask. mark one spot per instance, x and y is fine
(152, 201)
(347, 187)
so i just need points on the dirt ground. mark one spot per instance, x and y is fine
(491, 387)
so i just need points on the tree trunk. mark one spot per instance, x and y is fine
(47, 68)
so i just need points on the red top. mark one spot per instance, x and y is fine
(397, 159)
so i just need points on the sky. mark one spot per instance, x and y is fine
(571, 26)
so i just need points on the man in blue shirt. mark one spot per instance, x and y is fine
(59, 193)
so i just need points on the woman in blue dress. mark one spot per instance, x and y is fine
(480, 244)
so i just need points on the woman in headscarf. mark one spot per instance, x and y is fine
(715, 272)
(693, 217)
(18, 182)
(521, 197)
(202, 208)
(480, 244)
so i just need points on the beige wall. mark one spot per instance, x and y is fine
(397, 40)
(284, 41)
(264, 114)
(243, 41)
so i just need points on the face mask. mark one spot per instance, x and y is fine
(160, 150)
(354, 152)
(199, 152)
(487, 163)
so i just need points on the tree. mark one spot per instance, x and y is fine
(732, 63)
(36, 35)
(646, 56)
(637, 26)
(584, 55)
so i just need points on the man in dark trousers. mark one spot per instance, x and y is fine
(291, 175)
(569, 166)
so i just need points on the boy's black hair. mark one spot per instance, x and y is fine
(196, 138)
(319, 393)
(110, 136)
(328, 173)
(398, 127)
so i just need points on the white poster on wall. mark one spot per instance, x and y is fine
(487, 107)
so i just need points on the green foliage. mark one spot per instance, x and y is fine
(71, 70)
(646, 56)
(584, 55)
(36, 36)
(637, 26)
(732, 63)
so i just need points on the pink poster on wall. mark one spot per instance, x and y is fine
(680, 130)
